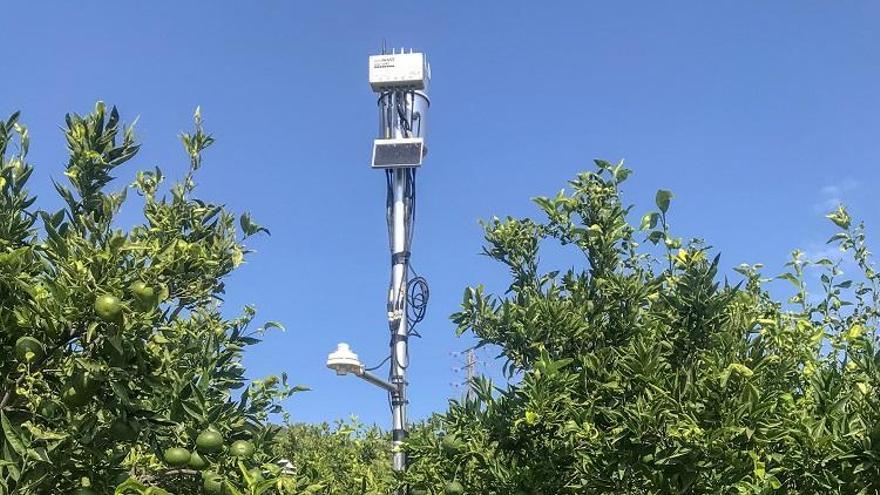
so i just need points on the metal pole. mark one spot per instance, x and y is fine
(401, 81)
(397, 311)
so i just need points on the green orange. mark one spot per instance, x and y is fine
(28, 349)
(108, 308)
(451, 444)
(79, 390)
(209, 441)
(212, 483)
(256, 475)
(453, 488)
(241, 449)
(176, 457)
(145, 296)
(197, 462)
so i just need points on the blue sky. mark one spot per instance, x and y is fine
(758, 115)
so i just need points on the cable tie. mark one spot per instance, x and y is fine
(400, 258)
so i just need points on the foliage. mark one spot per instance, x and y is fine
(644, 372)
(115, 347)
(346, 458)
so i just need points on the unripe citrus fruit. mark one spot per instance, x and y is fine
(145, 297)
(28, 349)
(79, 390)
(212, 483)
(197, 462)
(451, 444)
(209, 441)
(241, 449)
(256, 474)
(108, 307)
(453, 488)
(176, 456)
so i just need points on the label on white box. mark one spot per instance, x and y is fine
(397, 70)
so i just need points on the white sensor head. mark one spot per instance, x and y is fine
(343, 361)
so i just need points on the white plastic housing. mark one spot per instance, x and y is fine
(398, 70)
(343, 361)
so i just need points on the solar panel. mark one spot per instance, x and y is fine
(398, 153)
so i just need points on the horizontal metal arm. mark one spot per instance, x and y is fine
(375, 380)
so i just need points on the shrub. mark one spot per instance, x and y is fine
(643, 371)
(122, 356)
(346, 458)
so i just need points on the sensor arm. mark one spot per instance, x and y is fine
(375, 380)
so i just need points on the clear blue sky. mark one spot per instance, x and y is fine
(756, 114)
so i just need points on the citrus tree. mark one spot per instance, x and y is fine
(119, 368)
(346, 458)
(642, 370)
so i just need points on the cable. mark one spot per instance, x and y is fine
(389, 205)
(408, 305)
(374, 368)
(417, 297)
(411, 208)
(400, 103)
(412, 298)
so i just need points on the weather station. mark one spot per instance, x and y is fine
(400, 80)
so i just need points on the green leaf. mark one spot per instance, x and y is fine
(649, 221)
(662, 199)
(249, 227)
(620, 172)
(840, 217)
(13, 436)
(656, 236)
(273, 324)
(130, 484)
(791, 278)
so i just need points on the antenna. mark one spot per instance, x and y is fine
(401, 82)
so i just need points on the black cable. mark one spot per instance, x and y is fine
(411, 209)
(401, 113)
(374, 368)
(389, 205)
(418, 293)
